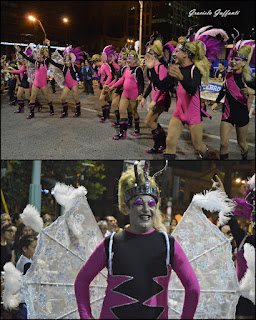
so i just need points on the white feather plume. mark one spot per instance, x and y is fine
(251, 182)
(136, 46)
(31, 217)
(214, 32)
(66, 195)
(12, 284)
(197, 35)
(216, 201)
(247, 283)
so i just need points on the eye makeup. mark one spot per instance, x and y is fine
(139, 202)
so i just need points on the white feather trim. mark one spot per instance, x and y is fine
(12, 284)
(197, 35)
(247, 283)
(216, 200)
(251, 182)
(136, 46)
(66, 195)
(31, 217)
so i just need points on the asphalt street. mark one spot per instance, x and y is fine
(49, 137)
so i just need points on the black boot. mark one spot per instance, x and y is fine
(206, 156)
(78, 110)
(65, 110)
(159, 138)
(104, 114)
(39, 105)
(137, 127)
(21, 107)
(123, 128)
(32, 107)
(108, 107)
(117, 114)
(51, 109)
(169, 156)
(224, 156)
(245, 155)
(130, 118)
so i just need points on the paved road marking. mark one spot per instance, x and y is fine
(166, 127)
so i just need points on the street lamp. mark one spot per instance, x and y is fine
(140, 35)
(31, 18)
(66, 20)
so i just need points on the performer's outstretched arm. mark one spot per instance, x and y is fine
(189, 280)
(89, 271)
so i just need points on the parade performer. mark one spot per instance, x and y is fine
(107, 71)
(191, 66)
(69, 69)
(116, 96)
(238, 85)
(244, 208)
(97, 64)
(24, 86)
(41, 62)
(138, 276)
(161, 100)
(133, 87)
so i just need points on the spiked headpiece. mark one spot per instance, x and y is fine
(145, 189)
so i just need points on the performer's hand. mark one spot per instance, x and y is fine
(142, 102)
(174, 71)
(214, 106)
(152, 104)
(247, 91)
(149, 61)
(47, 42)
(139, 98)
(112, 88)
(17, 47)
(217, 184)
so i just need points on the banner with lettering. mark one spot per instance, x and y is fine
(211, 90)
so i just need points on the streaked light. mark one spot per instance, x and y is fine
(26, 44)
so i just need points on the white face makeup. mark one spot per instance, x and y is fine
(142, 210)
(236, 64)
(178, 55)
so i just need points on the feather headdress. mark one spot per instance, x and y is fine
(241, 43)
(213, 39)
(75, 54)
(107, 52)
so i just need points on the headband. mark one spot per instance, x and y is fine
(184, 49)
(5, 224)
(143, 189)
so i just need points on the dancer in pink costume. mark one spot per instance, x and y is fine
(133, 87)
(238, 85)
(161, 100)
(69, 69)
(139, 260)
(191, 66)
(107, 72)
(41, 66)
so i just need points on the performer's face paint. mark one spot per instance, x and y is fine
(236, 64)
(142, 210)
(121, 61)
(178, 56)
(39, 56)
(67, 61)
(131, 61)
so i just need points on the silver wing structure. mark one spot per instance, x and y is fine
(62, 249)
(210, 255)
(55, 72)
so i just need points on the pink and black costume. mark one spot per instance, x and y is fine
(235, 109)
(134, 290)
(119, 91)
(133, 86)
(70, 81)
(162, 98)
(23, 77)
(40, 81)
